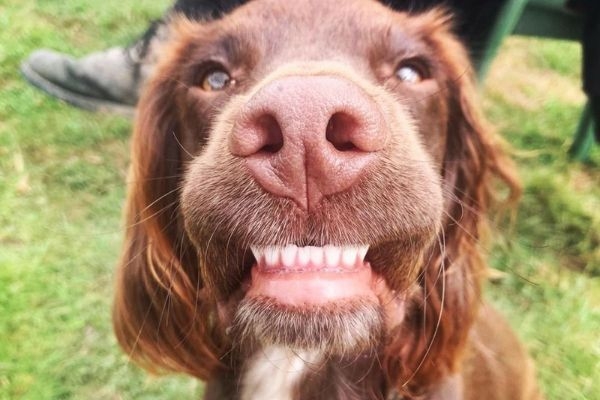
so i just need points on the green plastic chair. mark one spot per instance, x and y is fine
(542, 18)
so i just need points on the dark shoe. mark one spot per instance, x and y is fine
(105, 81)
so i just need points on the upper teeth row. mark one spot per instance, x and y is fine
(294, 256)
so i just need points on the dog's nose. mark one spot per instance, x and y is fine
(306, 137)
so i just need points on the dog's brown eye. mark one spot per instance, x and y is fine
(216, 80)
(409, 74)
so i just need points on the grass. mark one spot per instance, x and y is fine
(62, 174)
(551, 256)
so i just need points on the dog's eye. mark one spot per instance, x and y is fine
(409, 75)
(411, 72)
(215, 80)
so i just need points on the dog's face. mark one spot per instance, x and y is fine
(304, 174)
(318, 186)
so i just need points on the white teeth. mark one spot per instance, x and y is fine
(362, 252)
(288, 255)
(303, 256)
(272, 255)
(349, 255)
(257, 252)
(300, 257)
(316, 255)
(332, 256)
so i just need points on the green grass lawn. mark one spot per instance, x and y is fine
(62, 176)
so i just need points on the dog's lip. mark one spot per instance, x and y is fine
(307, 288)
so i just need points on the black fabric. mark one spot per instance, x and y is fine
(591, 63)
(206, 8)
(595, 109)
(474, 18)
(591, 49)
(142, 45)
(590, 45)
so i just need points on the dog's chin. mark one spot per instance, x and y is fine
(327, 299)
(333, 329)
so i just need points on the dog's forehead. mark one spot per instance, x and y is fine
(319, 28)
(318, 15)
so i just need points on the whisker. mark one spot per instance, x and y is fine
(181, 145)
(441, 271)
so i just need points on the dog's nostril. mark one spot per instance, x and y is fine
(272, 135)
(340, 130)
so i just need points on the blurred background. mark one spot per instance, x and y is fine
(62, 186)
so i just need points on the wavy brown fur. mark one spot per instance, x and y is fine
(165, 316)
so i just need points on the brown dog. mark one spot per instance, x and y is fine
(309, 182)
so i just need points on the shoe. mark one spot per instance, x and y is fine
(105, 81)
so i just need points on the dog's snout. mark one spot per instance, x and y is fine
(305, 137)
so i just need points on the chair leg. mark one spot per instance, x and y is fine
(504, 26)
(584, 136)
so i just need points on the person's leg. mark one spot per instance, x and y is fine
(111, 80)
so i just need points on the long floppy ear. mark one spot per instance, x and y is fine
(436, 333)
(160, 315)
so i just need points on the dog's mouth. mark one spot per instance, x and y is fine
(311, 275)
(326, 298)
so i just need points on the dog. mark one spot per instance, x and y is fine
(309, 185)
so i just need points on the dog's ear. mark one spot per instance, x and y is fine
(474, 165)
(160, 315)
